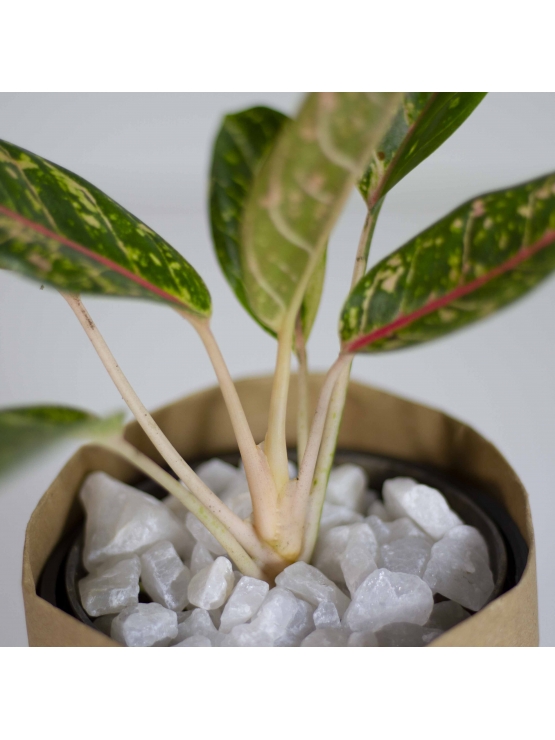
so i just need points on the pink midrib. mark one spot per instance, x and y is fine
(459, 292)
(92, 255)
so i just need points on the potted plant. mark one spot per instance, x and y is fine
(277, 189)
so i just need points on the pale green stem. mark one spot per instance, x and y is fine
(275, 445)
(257, 470)
(142, 462)
(302, 390)
(242, 531)
(294, 501)
(335, 410)
(308, 464)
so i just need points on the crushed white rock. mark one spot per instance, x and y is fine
(347, 487)
(376, 567)
(424, 505)
(111, 587)
(200, 558)
(308, 583)
(407, 555)
(459, 568)
(165, 578)
(145, 625)
(359, 557)
(211, 586)
(122, 521)
(202, 535)
(244, 602)
(385, 597)
(326, 616)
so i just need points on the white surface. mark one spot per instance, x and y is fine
(151, 153)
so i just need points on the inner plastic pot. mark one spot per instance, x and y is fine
(507, 549)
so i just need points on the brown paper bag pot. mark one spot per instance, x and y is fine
(373, 421)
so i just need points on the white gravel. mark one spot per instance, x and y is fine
(377, 566)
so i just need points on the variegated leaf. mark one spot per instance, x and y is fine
(242, 144)
(482, 256)
(57, 228)
(29, 430)
(299, 192)
(423, 123)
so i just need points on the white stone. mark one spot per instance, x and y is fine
(377, 509)
(198, 623)
(405, 527)
(217, 474)
(347, 487)
(188, 541)
(238, 484)
(111, 587)
(459, 568)
(216, 616)
(176, 507)
(122, 521)
(427, 507)
(381, 529)
(201, 534)
(386, 597)
(200, 558)
(446, 614)
(244, 602)
(325, 615)
(362, 639)
(330, 547)
(195, 641)
(392, 489)
(164, 577)
(407, 555)
(240, 504)
(327, 637)
(334, 516)
(299, 627)
(210, 587)
(310, 584)
(274, 618)
(358, 559)
(145, 625)
(403, 634)
(390, 531)
(247, 635)
(277, 612)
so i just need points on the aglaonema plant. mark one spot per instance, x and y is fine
(277, 188)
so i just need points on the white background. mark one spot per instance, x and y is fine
(151, 153)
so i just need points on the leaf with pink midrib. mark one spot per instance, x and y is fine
(479, 258)
(59, 229)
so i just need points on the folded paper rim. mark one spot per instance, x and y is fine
(373, 421)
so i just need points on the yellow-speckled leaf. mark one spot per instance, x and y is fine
(59, 229)
(477, 259)
(424, 121)
(242, 144)
(29, 430)
(299, 192)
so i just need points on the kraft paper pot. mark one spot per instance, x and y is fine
(373, 421)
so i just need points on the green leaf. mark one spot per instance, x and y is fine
(29, 430)
(242, 144)
(423, 123)
(477, 259)
(57, 228)
(298, 195)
